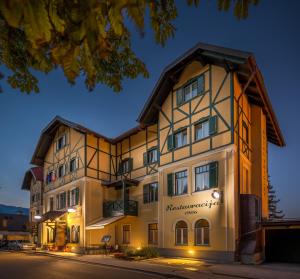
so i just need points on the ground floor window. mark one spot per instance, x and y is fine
(181, 233)
(50, 235)
(202, 232)
(153, 234)
(75, 234)
(126, 234)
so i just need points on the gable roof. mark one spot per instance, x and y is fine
(241, 62)
(36, 173)
(48, 133)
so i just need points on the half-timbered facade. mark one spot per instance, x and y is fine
(190, 179)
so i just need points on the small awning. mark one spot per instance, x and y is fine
(104, 222)
(52, 215)
(119, 183)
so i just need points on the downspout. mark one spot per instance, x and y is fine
(238, 252)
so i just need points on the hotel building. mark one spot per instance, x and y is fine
(191, 179)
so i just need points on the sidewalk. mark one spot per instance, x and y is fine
(189, 268)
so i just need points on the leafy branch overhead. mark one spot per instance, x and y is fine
(84, 37)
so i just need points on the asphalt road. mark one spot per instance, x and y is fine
(23, 266)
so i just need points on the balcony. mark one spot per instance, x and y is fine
(119, 208)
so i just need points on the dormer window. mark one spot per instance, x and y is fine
(61, 142)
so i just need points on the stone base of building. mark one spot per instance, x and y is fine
(219, 256)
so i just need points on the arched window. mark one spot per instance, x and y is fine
(202, 232)
(181, 233)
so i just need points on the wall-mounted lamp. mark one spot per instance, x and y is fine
(216, 194)
(70, 210)
(37, 217)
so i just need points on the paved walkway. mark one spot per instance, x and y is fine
(190, 268)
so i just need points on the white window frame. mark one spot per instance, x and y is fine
(175, 182)
(182, 137)
(204, 129)
(64, 137)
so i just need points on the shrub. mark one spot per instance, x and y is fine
(148, 252)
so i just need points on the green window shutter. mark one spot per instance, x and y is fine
(213, 174)
(57, 201)
(130, 164)
(170, 179)
(213, 125)
(77, 196)
(68, 198)
(146, 193)
(145, 158)
(179, 96)
(200, 84)
(170, 142)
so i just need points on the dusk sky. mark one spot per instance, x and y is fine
(271, 32)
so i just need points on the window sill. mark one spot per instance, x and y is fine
(202, 139)
(179, 147)
(202, 245)
(180, 196)
(181, 245)
(201, 191)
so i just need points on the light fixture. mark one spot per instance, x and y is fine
(37, 217)
(139, 248)
(191, 252)
(70, 210)
(216, 194)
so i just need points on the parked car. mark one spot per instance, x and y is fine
(18, 245)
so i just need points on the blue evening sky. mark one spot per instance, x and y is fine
(271, 32)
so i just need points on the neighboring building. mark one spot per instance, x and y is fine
(14, 226)
(190, 179)
(33, 182)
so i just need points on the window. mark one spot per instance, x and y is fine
(181, 233)
(202, 130)
(180, 138)
(61, 170)
(50, 235)
(61, 142)
(150, 156)
(61, 200)
(73, 164)
(126, 234)
(191, 90)
(206, 177)
(180, 183)
(245, 133)
(51, 204)
(150, 192)
(125, 166)
(74, 197)
(153, 234)
(75, 234)
(202, 232)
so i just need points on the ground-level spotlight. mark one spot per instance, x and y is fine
(216, 194)
(70, 210)
(191, 252)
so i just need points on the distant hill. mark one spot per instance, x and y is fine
(9, 209)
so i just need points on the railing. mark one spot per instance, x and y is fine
(119, 208)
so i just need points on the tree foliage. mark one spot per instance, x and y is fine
(84, 37)
(274, 213)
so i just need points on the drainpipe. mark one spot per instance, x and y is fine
(238, 252)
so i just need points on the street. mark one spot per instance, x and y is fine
(23, 266)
